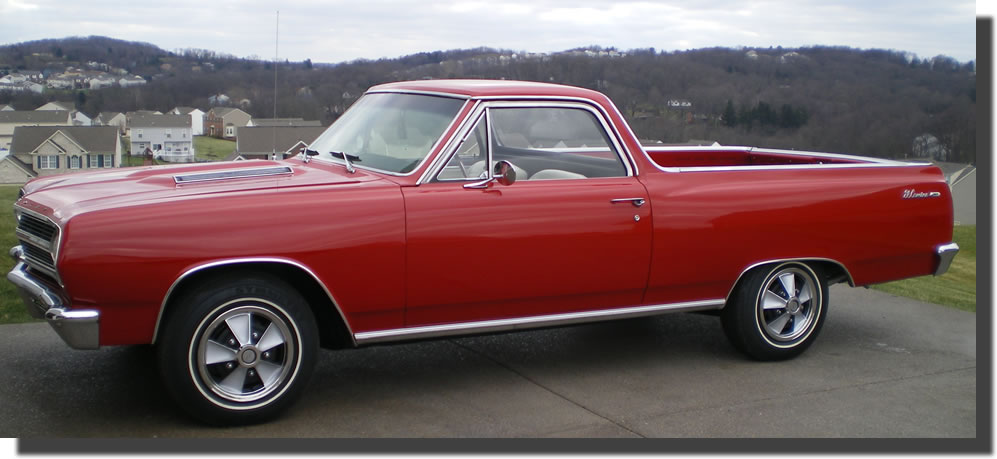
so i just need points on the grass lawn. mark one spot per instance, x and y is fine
(956, 288)
(11, 308)
(211, 149)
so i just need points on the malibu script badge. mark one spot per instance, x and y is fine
(914, 194)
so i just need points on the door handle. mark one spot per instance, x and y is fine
(637, 202)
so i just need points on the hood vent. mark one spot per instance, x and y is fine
(232, 174)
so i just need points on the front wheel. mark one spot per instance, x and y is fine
(240, 351)
(776, 311)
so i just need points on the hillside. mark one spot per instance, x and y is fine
(868, 102)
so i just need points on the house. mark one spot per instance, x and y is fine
(6, 108)
(130, 115)
(102, 81)
(12, 119)
(222, 122)
(128, 81)
(196, 118)
(261, 142)
(165, 137)
(116, 119)
(21, 85)
(284, 122)
(79, 118)
(48, 150)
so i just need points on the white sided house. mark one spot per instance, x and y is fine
(196, 118)
(165, 137)
(9, 120)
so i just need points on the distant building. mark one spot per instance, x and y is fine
(222, 122)
(196, 118)
(165, 137)
(9, 120)
(116, 119)
(262, 142)
(128, 81)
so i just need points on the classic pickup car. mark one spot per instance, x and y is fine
(454, 207)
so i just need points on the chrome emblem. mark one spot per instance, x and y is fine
(911, 193)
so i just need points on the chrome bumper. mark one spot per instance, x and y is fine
(946, 252)
(79, 328)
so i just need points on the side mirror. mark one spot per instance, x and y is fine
(504, 173)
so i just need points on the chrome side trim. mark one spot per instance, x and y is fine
(431, 149)
(487, 326)
(851, 281)
(945, 252)
(235, 261)
(231, 174)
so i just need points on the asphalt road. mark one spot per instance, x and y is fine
(882, 367)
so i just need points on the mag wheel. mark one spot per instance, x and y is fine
(241, 353)
(776, 311)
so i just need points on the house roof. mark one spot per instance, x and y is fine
(285, 122)
(160, 121)
(27, 169)
(108, 116)
(34, 116)
(222, 111)
(91, 138)
(185, 110)
(66, 106)
(261, 139)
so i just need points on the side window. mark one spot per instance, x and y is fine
(471, 157)
(554, 143)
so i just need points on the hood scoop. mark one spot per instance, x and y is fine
(231, 174)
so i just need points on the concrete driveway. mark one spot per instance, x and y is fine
(882, 367)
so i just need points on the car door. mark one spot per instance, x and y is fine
(571, 234)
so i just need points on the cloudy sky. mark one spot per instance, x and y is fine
(336, 31)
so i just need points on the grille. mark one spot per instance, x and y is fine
(37, 227)
(39, 239)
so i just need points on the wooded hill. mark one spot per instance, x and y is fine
(868, 102)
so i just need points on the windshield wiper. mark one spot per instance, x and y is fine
(347, 158)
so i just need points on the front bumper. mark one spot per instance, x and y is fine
(79, 328)
(945, 252)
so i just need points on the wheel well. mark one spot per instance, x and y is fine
(333, 332)
(831, 270)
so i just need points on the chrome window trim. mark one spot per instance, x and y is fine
(619, 138)
(440, 161)
(416, 91)
(867, 162)
(848, 274)
(488, 326)
(428, 153)
(236, 261)
(459, 143)
(56, 244)
(532, 102)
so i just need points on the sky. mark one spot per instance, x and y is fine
(334, 31)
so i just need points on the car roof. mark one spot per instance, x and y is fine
(489, 88)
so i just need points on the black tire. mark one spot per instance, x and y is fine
(238, 350)
(766, 321)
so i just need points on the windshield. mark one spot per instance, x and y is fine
(388, 132)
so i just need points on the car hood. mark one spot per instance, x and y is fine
(63, 196)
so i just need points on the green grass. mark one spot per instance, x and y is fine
(11, 307)
(212, 149)
(956, 288)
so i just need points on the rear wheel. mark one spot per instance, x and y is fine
(239, 351)
(776, 311)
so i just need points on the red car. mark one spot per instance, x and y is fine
(439, 208)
